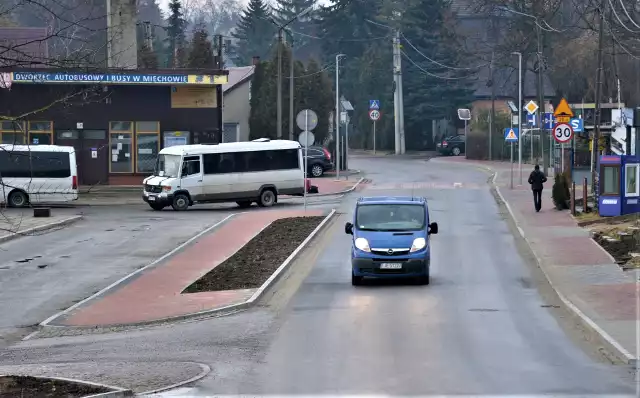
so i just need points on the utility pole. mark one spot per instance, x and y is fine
(541, 108)
(291, 83)
(598, 112)
(279, 105)
(336, 117)
(403, 147)
(220, 94)
(493, 108)
(396, 91)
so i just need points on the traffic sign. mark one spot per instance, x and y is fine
(511, 135)
(563, 112)
(374, 104)
(548, 120)
(307, 119)
(562, 133)
(374, 114)
(531, 107)
(577, 125)
(532, 120)
(464, 114)
(306, 138)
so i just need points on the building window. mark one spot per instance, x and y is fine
(610, 180)
(230, 132)
(40, 133)
(632, 172)
(147, 146)
(12, 133)
(121, 144)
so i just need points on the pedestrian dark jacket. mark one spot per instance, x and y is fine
(536, 179)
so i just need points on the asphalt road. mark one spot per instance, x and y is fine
(481, 327)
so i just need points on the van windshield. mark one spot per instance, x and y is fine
(390, 217)
(167, 165)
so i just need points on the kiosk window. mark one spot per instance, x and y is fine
(121, 145)
(631, 187)
(40, 133)
(147, 145)
(610, 180)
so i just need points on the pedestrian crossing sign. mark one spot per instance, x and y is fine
(511, 134)
(374, 104)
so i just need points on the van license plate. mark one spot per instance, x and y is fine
(152, 198)
(391, 266)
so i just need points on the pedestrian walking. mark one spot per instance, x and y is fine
(537, 179)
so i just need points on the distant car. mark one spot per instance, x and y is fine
(453, 145)
(318, 161)
(391, 238)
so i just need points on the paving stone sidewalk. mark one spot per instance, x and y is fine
(592, 285)
(15, 223)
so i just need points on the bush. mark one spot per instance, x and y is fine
(560, 192)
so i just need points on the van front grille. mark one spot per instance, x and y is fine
(152, 188)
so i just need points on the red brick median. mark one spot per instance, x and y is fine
(155, 294)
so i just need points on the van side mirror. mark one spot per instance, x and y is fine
(433, 228)
(348, 228)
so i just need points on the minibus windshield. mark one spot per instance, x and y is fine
(167, 165)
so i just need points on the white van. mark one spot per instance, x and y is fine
(31, 174)
(241, 172)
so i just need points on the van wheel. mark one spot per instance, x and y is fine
(267, 198)
(243, 204)
(180, 202)
(316, 170)
(355, 280)
(156, 206)
(18, 199)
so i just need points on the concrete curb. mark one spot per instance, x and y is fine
(205, 371)
(52, 318)
(40, 228)
(116, 391)
(613, 346)
(222, 311)
(353, 188)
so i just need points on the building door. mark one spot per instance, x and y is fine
(94, 157)
(92, 149)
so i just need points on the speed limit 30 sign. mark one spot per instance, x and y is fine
(563, 133)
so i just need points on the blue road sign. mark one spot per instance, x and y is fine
(374, 104)
(511, 134)
(577, 125)
(548, 120)
(532, 119)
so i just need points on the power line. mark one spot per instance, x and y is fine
(426, 72)
(436, 62)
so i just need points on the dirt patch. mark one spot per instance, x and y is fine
(27, 386)
(252, 265)
(621, 239)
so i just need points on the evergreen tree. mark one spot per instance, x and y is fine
(301, 29)
(254, 33)
(316, 93)
(176, 40)
(201, 51)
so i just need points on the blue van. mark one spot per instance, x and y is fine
(390, 238)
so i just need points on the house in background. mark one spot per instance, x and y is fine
(236, 108)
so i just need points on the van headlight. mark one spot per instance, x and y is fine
(362, 244)
(418, 244)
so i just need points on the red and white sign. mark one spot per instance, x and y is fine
(374, 114)
(562, 133)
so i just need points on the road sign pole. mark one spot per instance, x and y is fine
(374, 137)
(511, 164)
(306, 157)
(562, 158)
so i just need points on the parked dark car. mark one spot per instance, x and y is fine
(453, 145)
(318, 161)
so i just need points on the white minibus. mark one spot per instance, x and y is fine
(31, 174)
(242, 172)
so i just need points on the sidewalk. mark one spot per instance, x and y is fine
(154, 293)
(585, 276)
(110, 195)
(15, 223)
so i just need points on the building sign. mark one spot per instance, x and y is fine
(193, 97)
(116, 78)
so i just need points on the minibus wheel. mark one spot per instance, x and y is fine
(18, 199)
(180, 202)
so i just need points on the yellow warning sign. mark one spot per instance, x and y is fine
(563, 109)
(531, 107)
(511, 135)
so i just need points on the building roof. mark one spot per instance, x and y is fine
(237, 76)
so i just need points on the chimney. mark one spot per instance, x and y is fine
(122, 44)
(255, 61)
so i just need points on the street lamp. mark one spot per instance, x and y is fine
(336, 117)
(280, 29)
(519, 54)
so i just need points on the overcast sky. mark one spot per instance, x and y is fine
(164, 3)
